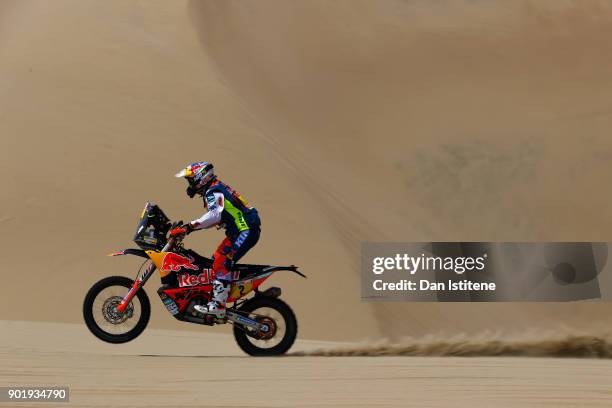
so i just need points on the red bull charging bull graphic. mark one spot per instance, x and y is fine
(174, 262)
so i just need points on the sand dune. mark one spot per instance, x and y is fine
(432, 121)
(391, 121)
(102, 103)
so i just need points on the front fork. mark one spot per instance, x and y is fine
(138, 283)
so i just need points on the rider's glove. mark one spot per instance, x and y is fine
(182, 230)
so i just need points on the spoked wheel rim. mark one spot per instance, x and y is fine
(274, 331)
(106, 316)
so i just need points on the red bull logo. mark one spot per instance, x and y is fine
(207, 276)
(204, 278)
(174, 262)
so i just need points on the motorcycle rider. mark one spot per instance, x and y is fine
(226, 209)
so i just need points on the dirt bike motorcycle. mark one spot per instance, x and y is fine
(117, 309)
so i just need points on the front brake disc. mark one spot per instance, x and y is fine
(110, 313)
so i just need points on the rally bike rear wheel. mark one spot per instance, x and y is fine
(101, 315)
(281, 323)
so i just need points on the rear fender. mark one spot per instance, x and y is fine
(243, 287)
(291, 268)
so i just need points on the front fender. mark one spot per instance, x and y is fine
(130, 251)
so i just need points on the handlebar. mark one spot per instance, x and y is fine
(176, 224)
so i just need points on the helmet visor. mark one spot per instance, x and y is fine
(186, 172)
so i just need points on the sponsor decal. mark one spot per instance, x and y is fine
(175, 262)
(241, 288)
(210, 201)
(245, 320)
(206, 277)
(170, 305)
(241, 238)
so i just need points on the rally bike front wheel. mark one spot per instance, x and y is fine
(101, 314)
(279, 320)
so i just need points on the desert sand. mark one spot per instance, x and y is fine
(343, 122)
(186, 369)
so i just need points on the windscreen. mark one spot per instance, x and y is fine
(152, 228)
